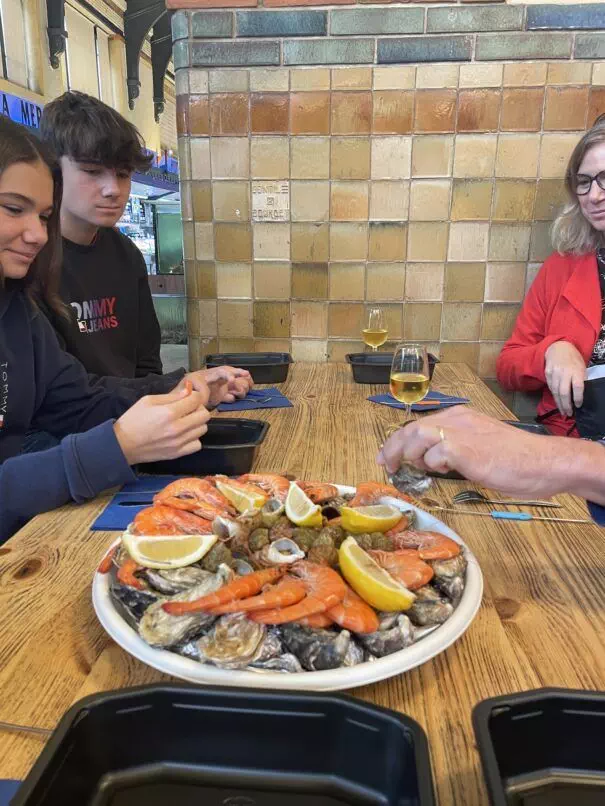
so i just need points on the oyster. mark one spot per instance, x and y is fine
(161, 629)
(282, 663)
(354, 654)
(316, 649)
(450, 577)
(392, 636)
(281, 552)
(132, 602)
(233, 642)
(410, 480)
(429, 607)
(175, 580)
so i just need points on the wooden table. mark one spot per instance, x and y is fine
(541, 622)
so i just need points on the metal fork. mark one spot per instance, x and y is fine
(475, 497)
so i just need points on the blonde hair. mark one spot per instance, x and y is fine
(571, 232)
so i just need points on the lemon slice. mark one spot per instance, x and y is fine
(379, 518)
(301, 510)
(167, 552)
(377, 587)
(242, 500)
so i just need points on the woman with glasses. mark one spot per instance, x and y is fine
(560, 329)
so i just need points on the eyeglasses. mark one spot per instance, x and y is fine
(584, 183)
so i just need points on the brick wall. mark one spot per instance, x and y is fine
(421, 148)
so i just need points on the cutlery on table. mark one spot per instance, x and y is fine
(497, 514)
(475, 497)
(14, 728)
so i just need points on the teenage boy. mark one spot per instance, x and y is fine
(112, 327)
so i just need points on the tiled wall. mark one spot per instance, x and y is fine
(425, 188)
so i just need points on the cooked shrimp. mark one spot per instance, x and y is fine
(195, 495)
(401, 525)
(405, 565)
(276, 486)
(319, 621)
(126, 575)
(354, 614)
(240, 588)
(288, 591)
(430, 545)
(107, 561)
(318, 491)
(164, 520)
(325, 589)
(370, 492)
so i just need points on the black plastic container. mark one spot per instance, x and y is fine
(376, 367)
(543, 748)
(178, 745)
(264, 367)
(229, 447)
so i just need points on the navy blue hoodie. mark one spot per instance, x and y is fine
(44, 388)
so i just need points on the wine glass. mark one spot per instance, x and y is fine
(409, 375)
(375, 334)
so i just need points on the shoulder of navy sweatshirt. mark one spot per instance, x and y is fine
(113, 329)
(43, 387)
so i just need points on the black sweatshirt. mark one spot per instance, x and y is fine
(113, 329)
(44, 388)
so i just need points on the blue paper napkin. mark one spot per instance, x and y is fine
(270, 398)
(131, 499)
(434, 400)
(8, 788)
(597, 513)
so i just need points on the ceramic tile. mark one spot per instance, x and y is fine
(204, 241)
(310, 157)
(310, 243)
(228, 80)
(509, 242)
(436, 76)
(347, 281)
(234, 320)
(230, 157)
(269, 157)
(480, 75)
(198, 80)
(551, 196)
(231, 201)
(263, 80)
(424, 282)
(513, 200)
(345, 319)
(315, 350)
(471, 199)
(525, 74)
(198, 115)
(308, 79)
(388, 241)
(349, 201)
(309, 280)
(351, 112)
(435, 111)
(460, 352)
(518, 155)
(395, 78)
(310, 201)
(498, 320)
(206, 279)
(348, 241)
(228, 114)
(478, 110)
(389, 201)
(234, 280)
(488, 355)
(271, 241)
(208, 318)
(201, 201)
(391, 157)
(349, 78)
(233, 242)
(269, 112)
(522, 109)
(427, 241)
(422, 321)
(200, 158)
(432, 155)
(385, 281)
(310, 113)
(337, 350)
(429, 199)
(464, 282)
(310, 319)
(505, 282)
(461, 321)
(475, 155)
(468, 241)
(565, 108)
(272, 280)
(393, 112)
(555, 152)
(350, 158)
(271, 319)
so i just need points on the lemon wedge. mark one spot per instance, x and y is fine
(301, 510)
(167, 552)
(379, 518)
(242, 500)
(375, 586)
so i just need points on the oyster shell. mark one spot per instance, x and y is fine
(132, 602)
(391, 637)
(429, 607)
(316, 649)
(161, 629)
(287, 663)
(410, 480)
(450, 577)
(233, 642)
(175, 580)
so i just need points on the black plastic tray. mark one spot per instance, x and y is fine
(542, 748)
(179, 745)
(264, 367)
(228, 447)
(376, 367)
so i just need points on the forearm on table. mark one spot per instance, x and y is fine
(584, 468)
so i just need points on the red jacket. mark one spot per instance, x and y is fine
(563, 304)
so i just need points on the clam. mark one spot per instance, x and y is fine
(160, 629)
(281, 552)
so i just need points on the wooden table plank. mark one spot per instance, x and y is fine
(540, 624)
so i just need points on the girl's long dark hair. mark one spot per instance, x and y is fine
(18, 144)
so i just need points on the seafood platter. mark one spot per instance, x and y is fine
(266, 582)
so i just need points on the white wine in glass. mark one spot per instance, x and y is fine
(375, 334)
(409, 375)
